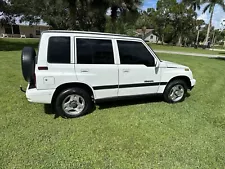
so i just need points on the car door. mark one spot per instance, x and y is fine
(95, 66)
(138, 74)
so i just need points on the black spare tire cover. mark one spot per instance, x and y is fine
(28, 63)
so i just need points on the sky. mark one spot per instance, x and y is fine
(219, 14)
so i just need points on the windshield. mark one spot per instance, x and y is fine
(153, 52)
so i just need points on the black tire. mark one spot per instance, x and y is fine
(64, 94)
(28, 63)
(169, 87)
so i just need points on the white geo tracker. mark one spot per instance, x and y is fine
(73, 70)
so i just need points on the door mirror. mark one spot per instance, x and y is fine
(156, 63)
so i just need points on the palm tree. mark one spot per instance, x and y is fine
(210, 7)
(199, 24)
(193, 4)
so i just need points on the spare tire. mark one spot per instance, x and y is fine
(28, 63)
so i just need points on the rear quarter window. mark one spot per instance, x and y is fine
(59, 50)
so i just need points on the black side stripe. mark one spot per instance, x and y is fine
(163, 83)
(105, 87)
(129, 85)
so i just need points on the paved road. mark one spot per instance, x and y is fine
(190, 54)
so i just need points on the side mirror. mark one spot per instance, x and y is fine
(156, 64)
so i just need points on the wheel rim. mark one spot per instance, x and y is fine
(176, 93)
(73, 104)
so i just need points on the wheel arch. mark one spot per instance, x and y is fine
(71, 85)
(186, 79)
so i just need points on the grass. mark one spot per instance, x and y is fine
(219, 47)
(185, 49)
(129, 134)
(17, 44)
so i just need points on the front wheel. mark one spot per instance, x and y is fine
(175, 91)
(74, 102)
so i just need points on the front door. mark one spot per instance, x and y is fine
(137, 72)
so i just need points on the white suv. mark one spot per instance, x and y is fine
(73, 70)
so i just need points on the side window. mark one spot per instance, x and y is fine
(134, 53)
(59, 50)
(94, 51)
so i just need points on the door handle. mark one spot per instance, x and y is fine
(84, 70)
(126, 70)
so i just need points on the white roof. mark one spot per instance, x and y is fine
(89, 33)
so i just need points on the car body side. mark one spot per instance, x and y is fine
(60, 76)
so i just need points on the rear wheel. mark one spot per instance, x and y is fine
(175, 91)
(73, 102)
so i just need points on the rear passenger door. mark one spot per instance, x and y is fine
(95, 66)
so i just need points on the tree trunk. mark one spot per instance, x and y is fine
(209, 26)
(12, 30)
(197, 37)
(73, 13)
(196, 18)
(213, 39)
(185, 42)
(179, 41)
(114, 17)
(162, 40)
(143, 32)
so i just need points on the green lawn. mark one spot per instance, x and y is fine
(17, 44)
(131, 134)
(185, 49)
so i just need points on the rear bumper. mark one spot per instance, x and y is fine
(39, 96)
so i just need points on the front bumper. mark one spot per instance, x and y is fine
(193, 82)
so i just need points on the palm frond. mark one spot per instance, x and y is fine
(206, 8)
(221, 3)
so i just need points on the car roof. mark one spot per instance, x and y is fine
(89, 33)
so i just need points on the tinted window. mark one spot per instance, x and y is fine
(59, 50)
(134, 53)
(93, 51)
(8, 29)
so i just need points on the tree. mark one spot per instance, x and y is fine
(210, 7)
(160, 18)
(193, 4)
(144, 22)
(199, 25)
(182, 21)
(7, 14)
(72, 14)
(173, 22)
(122, 7)
(123, 25)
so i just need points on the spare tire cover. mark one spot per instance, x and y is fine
(28, 63)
